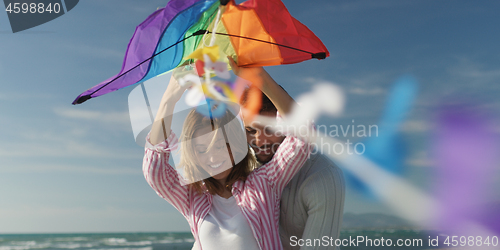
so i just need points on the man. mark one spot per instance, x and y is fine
(312, 203)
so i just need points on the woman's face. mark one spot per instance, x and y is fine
(214, 159)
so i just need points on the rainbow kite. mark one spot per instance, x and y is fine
(254, 33)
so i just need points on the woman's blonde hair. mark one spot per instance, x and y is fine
(229, 126)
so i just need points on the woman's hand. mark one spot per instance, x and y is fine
(174, 92)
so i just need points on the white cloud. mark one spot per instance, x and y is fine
(352, 6)
(15, 96)
(495, 73)
(372, 79)
(131, 6)
(367, 91)
(415, 126)
(313, 80)
(96, 52)
(70, 168)
(358, 86)
(469, 72)
(50, 219)
(64, 149)
(420, 159)
(92, 115)
(142, 8)
(61, 140)
(72, 132)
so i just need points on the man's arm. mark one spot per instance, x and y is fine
(258, 75)
(323, 195)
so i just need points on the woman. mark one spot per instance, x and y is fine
(236, 208)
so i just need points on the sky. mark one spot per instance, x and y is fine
(66, 168)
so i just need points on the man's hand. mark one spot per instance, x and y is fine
(252, 74)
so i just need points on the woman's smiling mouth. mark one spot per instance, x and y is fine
(214, 166)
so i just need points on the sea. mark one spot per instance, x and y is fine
(351, 239)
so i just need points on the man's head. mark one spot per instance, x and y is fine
(262, 140)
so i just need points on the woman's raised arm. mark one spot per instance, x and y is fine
(163, 119)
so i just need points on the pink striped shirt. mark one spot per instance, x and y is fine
(258, 197)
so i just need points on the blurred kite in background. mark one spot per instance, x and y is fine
(466, 150)
(387, 149)
(254, 33)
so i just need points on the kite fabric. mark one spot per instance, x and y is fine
(254, 33)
